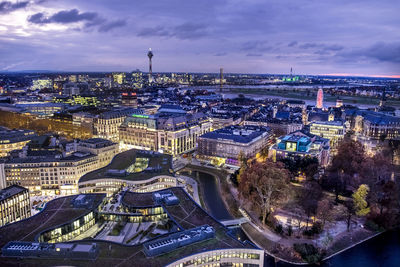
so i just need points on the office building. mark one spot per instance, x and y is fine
(227, 143)
(15, 204)
(332, 130)
(13, 140)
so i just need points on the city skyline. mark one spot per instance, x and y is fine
(350, 39)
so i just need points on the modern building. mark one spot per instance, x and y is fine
(229, 142)
(15, 204)
(198, 239)
(142, 171)
(13, 140)
(301, 144)
(332, 130)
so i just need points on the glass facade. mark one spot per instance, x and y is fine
(68, 231)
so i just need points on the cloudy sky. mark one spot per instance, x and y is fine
(244, 36)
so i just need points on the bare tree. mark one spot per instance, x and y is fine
(264, 184)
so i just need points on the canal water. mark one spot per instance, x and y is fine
(211, 197)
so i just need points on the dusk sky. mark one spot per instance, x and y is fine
(359, 37)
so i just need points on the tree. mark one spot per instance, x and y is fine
(310, 194)
(324, 211)
(264, 184)
(359, 200)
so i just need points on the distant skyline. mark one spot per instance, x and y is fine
(338, 37)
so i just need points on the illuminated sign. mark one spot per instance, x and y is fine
(140, 116)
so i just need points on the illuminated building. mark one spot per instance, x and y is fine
(51, 173)
(13, 140)
(320, 98)
(42, 109)
(150, 56)
(119, 78)
(83, 100)
(229, 142)
(223, 257)
(300, 144)
(72, 78)
(333, 130)
(15, 204)
(167, 132)
(138, 170)
(137, 79)
(129, 99)
(106, 124)
(41, 84)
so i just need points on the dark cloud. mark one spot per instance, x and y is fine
(7, 7)
(111, 25)
(291, 44)
(63, 17)
(380, 51)
(91, 19)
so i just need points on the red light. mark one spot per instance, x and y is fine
(133, 93)
(124, 94)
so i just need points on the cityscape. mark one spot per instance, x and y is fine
(235, 140)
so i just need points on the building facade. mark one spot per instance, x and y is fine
(13, 140)
(302, 145)
(54, 174)
(172, 134)
(229, 142)
(15, 204)
(332, 130)
(106, 125)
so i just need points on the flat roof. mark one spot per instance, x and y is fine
(56, 212)
(11, 191)
(187, 214)
(159, 164)
(239, 134)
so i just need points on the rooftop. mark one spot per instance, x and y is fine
(239, 134)
(186, 213)
(56, 212)
(158, 164)
(11, 191)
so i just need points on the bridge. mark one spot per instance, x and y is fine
(235, 222)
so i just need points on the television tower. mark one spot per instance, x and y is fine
(150, 55)
(221, 78)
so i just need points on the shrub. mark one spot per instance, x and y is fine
(370, 225)
(290, 230)
(308, 252)
(279, 228)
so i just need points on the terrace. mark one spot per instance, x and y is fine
(55, 213)
(132, 165)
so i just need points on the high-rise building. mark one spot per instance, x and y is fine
(320, 98)
(119, 78)
(150, 55)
